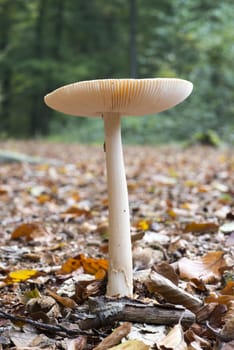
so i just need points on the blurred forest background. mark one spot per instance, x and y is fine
(48, 43)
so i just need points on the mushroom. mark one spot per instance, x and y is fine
(111, 99)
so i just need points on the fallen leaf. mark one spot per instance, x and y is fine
(208, 268)
(20, 276)
(142, 225)
(220, 299)
(115, 337)
(228, 289)
(78, 343)
(196, 342)
(74, 212)
(166, 270)
(97, 267)
(65, 301)
(228, 328)
(174, 340)
(30, 294)
(29, 231)
(198, 227)
(172, 293)
(131, 345)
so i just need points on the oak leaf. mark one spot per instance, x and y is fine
(207, 268)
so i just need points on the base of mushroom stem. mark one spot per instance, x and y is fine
(118, 285)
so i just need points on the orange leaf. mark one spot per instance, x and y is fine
(198, 227)
(74, 212)
(65, 301)
(70, 265)
(28, 231)
(207, 268)
(228, 289)
(43, 198)
(220, 299)
(97, 267)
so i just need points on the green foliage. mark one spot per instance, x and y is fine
(45, 44)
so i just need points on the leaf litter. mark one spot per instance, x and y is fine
(54, 256)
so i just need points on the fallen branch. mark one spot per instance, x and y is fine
(100, 312)
(55, 329)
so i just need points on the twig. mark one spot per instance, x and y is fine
(43, 326)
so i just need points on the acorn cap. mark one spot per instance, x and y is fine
(124, 96)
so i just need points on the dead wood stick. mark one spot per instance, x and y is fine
(105, 313)
(56, 329)
(158, 315)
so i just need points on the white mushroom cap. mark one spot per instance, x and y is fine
(124, 96)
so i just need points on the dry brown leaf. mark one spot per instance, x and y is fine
(220, 299)
(115, 337)
(198, 227)
(29, 231)
(166, 270)
(172, 293)
(74, 212)
(228, 289)
(228, 328)
(174, 340)
(86, 289)
(196, 342)
(65, 301)
(131, 345)
(78, 343)
(207, 268)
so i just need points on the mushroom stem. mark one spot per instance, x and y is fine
(120, 252)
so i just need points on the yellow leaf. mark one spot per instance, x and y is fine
(143, 225)
(20, 276)
(171, 213)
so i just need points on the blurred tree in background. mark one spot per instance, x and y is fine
(48, 43)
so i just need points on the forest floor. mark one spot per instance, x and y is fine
(54, 243)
